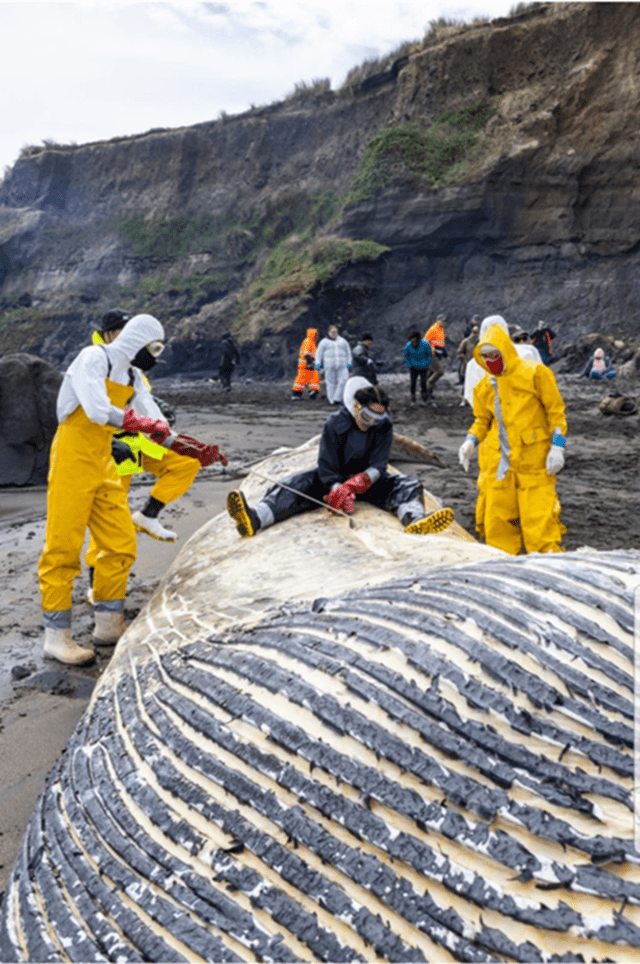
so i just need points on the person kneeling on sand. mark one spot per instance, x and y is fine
(352, 462)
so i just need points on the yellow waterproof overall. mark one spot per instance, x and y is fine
(517, 508)
(84, 490)
(174, 473)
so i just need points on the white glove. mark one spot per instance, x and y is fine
(466, 450)
(555, 460)
(555, 456)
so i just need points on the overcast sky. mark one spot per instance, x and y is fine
(80, 72)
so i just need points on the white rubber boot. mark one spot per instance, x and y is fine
(109, 628)
(152, 527)
(59, 644)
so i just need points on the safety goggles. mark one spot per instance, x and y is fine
(155, 348)
(368, 417)
(520, 339)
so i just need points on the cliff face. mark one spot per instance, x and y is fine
(536, 217)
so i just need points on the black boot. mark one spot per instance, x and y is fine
(246, 519)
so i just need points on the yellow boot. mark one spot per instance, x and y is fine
(434, 522)
(246, 520)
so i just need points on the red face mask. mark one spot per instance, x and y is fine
(495, 365)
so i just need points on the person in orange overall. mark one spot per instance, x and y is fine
(307, 374)
(436, 338)
(520, 413)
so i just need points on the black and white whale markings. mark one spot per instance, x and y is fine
(436, 768)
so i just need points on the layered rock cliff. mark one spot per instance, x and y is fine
(494, 168)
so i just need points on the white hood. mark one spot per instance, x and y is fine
(353, 385)
(137, 333)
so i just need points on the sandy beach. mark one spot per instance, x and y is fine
(41, 701)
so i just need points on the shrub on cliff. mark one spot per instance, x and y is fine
(429, 154)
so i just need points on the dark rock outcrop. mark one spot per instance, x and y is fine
(28, 391)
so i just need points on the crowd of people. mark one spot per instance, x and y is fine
(518, 431)
(111, 426)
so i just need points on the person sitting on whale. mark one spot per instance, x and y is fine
(352, 463)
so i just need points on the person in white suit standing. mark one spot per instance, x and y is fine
(333, 357)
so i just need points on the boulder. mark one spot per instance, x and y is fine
(28, 390)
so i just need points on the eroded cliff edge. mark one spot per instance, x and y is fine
(252, 222)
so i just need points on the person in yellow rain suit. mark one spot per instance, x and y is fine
(519, 411)
(174, 472)
(84, 490)
(307, 374)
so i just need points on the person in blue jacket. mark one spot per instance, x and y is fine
(417, 356)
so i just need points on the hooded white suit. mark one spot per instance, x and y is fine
(84, 490)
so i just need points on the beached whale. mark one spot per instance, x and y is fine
(342, 742)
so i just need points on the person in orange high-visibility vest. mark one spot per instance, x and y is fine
(436, 338)
(307, 374)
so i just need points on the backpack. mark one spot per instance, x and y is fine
(618, 405)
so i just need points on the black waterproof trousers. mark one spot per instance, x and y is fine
(389, 493)
(420, 373)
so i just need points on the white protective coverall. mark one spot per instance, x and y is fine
(521, 415)
(84, 489)
(334, 358)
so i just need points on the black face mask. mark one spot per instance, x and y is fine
(144, 360)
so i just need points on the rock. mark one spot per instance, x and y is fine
(28, 391)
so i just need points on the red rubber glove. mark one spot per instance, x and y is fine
(153, 427)
(344, 496)
(193, 449)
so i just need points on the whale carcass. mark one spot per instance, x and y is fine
(342, 743)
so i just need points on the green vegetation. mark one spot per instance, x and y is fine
(433, 154)
(289, 240)
(296, 265)
(178, 236)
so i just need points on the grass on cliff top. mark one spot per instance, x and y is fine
(433, 154)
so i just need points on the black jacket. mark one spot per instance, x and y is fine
(345, 450)
(363, 364)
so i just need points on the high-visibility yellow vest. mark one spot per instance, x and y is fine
(140, 446)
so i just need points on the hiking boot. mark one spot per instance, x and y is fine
(313, 393)
(246, 520)
(108, 628)
(152, 528)
(59, 644)
(435, 522)
(296, 396)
